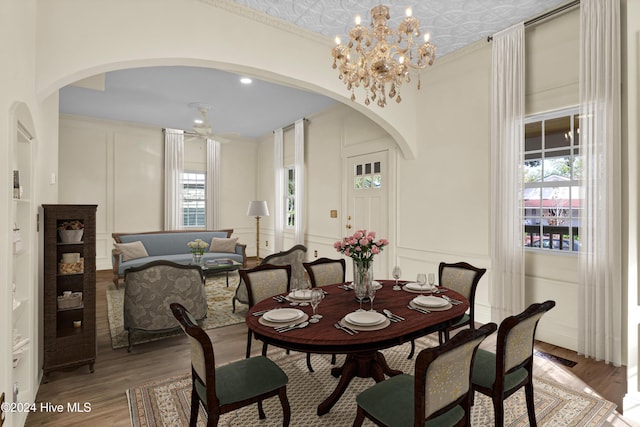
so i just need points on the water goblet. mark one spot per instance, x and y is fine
(371, 293)
(305, 287)
(361, 293)
(316, 296)
(422, 280)
(432, 282)
(396, 273)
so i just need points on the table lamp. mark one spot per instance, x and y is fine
(258, 208)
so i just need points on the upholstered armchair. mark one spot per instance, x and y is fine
(293, 257)
(325, 271)
(151, 288)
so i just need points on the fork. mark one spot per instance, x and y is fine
(339, 326)
(451, 300)
(419, 310)
(342, 325)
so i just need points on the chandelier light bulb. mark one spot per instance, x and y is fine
(337, 39)
(358, 19)
(401, 60)
(427, 36)
(408, 12)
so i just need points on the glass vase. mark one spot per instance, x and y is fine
(197, 258)
(362, 274)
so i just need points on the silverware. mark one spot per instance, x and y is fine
(419, 310)
(391, 316)
(279, 298)
(260, 313)
(451, 300)
(347, 327)
(338, 326)
(296, 326)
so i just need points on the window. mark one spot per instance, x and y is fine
(552, 173)
(367, 175)
(290, 194)
(194, 199)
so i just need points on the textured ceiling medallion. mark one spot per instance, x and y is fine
(380, 58)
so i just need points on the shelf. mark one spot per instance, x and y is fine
(80, 307)
(70, 243)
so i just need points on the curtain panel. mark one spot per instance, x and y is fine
(213, 182)
(300, 217)
(173, 169)
(600, 291)
(507, 144)
(278, 220)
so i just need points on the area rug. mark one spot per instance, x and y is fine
(166, 402)
(219, 311)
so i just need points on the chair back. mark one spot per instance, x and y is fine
(461, 277)
(443, 373)
(325, 271)
(516, 335)
(265, 281)
(202, 356)
(293, 257)
(150, 288)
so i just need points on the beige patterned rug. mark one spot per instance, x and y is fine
(219, 310)
(166, 402)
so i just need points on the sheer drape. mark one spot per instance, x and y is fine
(278, 220)
(173, 168)
(600, 302)
(213, 180)
(507, 140)
(299, 195)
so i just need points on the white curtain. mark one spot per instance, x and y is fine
(278, 220)
(173, 167)
(213, 181)
(507, 142)
(600, 301)
(299, 195)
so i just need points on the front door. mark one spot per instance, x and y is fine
(368, 202)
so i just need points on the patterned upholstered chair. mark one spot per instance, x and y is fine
(325, 271)
(150, 288)
(265, 281)
(231, 386)
(293, 257)
(500, 374)
(439, 394)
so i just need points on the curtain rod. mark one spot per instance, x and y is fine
(289, 126)
(560, 9)
(186, 132)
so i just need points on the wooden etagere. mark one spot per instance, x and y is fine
(70, 328)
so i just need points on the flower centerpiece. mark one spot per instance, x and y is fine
(361, 248)
(71, 231)
(198, 248)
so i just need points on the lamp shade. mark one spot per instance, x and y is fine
(258, 208)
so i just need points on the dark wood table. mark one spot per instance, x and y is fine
(363, 356)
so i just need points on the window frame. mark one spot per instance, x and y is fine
(289, 197)
(201, 176)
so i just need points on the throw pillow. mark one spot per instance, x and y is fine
(223, 244)
(131, 250)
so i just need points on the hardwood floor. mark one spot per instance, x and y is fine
(117, 370)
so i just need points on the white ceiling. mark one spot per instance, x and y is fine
(160, 96)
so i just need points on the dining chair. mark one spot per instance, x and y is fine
(500, 374)
(439, 394)
(231, 386)
(462, 278)
(264, 281)
(322, 272)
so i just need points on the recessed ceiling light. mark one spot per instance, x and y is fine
(245, 80)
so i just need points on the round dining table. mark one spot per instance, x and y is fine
(362, 349)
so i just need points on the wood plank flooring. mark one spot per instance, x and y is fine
(117, 370)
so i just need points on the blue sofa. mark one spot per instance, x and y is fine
(169, 246)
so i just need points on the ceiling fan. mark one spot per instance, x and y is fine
(201, 125)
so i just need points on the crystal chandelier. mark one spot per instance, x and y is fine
(380, 59)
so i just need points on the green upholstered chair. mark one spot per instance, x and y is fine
(264, 281)
(323, 272)
(439, 394)
(151, 287)
(231, 386)
(500, 374)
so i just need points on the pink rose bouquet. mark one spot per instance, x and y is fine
(361, 246)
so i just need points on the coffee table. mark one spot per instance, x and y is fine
(225, 265)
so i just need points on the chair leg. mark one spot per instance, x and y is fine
(333, 359)
(233, 304)
(195, 406)
(413, 349)
(498, 411)
(264, 348)
(286, 409)
(261, 413)
(531, 410)
(249, 336)
(309, 363)
(359, 418)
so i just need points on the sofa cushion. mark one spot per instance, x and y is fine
(131, 250)
(223, 244)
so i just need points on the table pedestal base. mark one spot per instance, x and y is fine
(363, 365)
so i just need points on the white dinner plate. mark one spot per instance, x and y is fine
(301, 294)
(416, 287)
(430, 301)
(365, 318)
(283, 315)
(376, 285)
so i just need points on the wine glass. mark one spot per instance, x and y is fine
(361, 292)
(371, 293)
(432, 282)
(316, 296)
(422, 280)
(396, 273)
(306, 285)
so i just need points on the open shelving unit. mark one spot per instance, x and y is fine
(69, 328)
